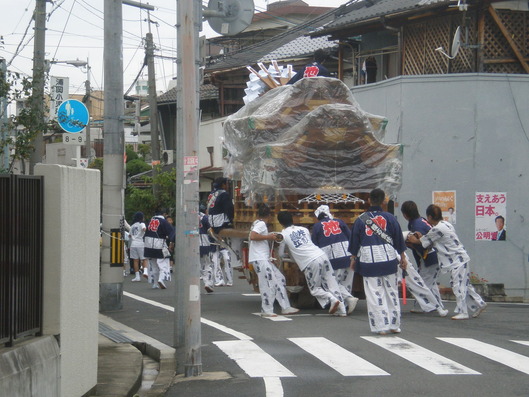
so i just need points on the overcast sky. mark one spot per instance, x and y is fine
(75, 31)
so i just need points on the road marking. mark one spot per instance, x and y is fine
(220, 327)
(251, 294)
(420, 356)
(494, 353)
(276, 318)
(273, 386)
(253, 360)
(521, 342)
(336, 357)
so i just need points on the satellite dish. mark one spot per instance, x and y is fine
(229, 17)
(456, 42)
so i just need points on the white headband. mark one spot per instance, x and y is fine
(323, 209)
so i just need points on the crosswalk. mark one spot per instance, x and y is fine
(257, 363)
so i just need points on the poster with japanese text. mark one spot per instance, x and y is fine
(490, 212)
(446, 200)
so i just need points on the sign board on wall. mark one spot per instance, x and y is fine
(490, 212)
(59, 92)
(446, 200)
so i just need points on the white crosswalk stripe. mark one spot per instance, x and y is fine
(521, 342)
(253, 360)
(336, 357)
(495, 353)
(257, 363)
(420, 356)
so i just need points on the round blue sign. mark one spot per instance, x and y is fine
(72, 116)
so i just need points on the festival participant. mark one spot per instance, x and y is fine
(137, 230)
(426, 259)
(332, 236)
(314, 69)
(271, 282)
(377, 246)
(452, 258)
(157, 251)
(206, 251)
(220, 206)
(220, 216)
(314, 264)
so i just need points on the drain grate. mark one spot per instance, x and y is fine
(112, 334)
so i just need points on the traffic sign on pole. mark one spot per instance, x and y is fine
(72, 116)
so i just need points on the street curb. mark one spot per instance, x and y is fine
(163, 354)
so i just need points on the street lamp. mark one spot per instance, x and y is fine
(81, 64)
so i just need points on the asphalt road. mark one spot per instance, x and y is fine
(314, 354)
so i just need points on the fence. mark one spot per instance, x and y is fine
(21, 256)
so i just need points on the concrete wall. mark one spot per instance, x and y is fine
(211, 133)
(31, 368)
(468, 133)
(71, 271)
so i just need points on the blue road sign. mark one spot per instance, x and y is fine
(72, 116)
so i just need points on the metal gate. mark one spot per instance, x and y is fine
(21, 256)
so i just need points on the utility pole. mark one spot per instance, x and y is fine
(37, 104)
(111, 287)
(153, 110)
(88, 102)
(187, 336)
(4, 133)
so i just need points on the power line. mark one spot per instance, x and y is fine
(64, 28)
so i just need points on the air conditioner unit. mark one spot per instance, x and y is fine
(168, 156)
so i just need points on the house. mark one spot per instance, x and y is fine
(458, 116)
(287, 43)
(404, 37)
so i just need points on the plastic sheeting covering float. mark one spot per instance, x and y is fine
(307, 138)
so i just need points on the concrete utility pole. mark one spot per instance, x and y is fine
(153, 111)
(187, 337)
(37, 104)
(111, 288)
(4, 133)
(88, 103)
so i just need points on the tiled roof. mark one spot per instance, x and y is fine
(259, 51)
(207, 91)
(358, 11)
(303, 46)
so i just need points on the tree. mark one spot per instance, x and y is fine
(137, 166)
(26, 124)
(142, 198)
(131, 154)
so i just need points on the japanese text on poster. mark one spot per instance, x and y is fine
(190, 169)
(490, 211)
(446, 200)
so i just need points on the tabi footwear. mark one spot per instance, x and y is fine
(460, 316)
(351, 304)
(334, 307)
(479, 311)
(268, 315)
(442, 312)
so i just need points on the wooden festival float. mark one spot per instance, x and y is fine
(295, 147)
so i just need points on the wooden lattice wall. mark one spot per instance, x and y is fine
(422, 38)
(498, 55)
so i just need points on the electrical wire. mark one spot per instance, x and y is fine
(161, 53)
(17, 51)
(64, 28)
(136, 79)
